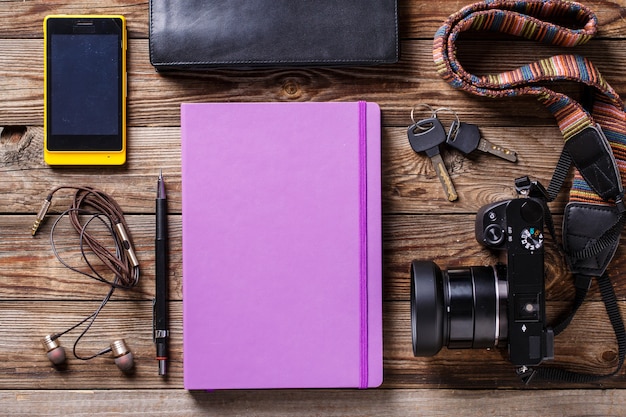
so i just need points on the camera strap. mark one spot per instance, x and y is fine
(594, 131)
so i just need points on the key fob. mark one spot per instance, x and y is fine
(463, 136)
(426, 135)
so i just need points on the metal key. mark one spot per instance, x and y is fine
(426, 136)
(466, 138)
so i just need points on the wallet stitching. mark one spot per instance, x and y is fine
(150, 39)
(270, 61)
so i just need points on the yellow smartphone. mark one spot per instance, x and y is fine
(85, 88)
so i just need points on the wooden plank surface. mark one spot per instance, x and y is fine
(38, 296)
(331, 403)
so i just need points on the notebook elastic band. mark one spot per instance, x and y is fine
(363, 237)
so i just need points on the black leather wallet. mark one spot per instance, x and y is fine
(199, 34)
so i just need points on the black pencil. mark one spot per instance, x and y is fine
(161, 332)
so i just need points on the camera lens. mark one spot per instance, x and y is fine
(427, 308)
(460, 309)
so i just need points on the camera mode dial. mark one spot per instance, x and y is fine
(531, 238)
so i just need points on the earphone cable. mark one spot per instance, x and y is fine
(93, 205)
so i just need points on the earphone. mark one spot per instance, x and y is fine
(122, 354)
(94, 205)
(54, 351)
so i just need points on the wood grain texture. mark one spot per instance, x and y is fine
(397, 88)
(38, 296)
(330, 403)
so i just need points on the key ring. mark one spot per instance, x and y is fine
(456, 118)
(432, 114)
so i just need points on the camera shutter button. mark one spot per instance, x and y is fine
(531, 211)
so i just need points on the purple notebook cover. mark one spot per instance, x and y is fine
(282, 262)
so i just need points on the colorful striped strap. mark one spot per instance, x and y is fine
(528, 19)
(589, 249)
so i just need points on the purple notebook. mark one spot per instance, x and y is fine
(282, 270)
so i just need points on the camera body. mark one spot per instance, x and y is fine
(481, 306)
(516, 226)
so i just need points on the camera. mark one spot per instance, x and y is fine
(488, 306)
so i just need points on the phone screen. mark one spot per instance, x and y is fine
(84, 84)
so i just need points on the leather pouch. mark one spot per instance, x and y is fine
(201, 34)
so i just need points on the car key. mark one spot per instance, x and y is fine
(466, 138)
(426, 136)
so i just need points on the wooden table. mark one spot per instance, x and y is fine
(38, 296)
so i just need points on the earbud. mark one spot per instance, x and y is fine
(123, 355)
(54, 351)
